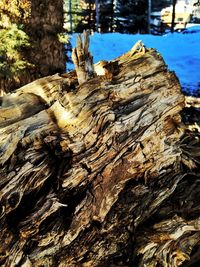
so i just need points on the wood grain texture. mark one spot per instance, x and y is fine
(96, 174)
(83, 59)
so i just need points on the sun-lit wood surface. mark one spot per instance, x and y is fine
(97, 172)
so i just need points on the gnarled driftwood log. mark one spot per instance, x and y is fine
(101, 173)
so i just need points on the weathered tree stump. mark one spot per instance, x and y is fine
(101, 173)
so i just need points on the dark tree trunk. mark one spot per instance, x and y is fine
(97, 15)
(173, 15)
(112, 16)
(46, 22)
(70, 16)
(101, 173)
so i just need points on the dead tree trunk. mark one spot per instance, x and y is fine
(102, 173)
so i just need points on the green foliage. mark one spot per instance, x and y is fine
(75, 13)
(82, 15)
(13, 39)
(63, 38)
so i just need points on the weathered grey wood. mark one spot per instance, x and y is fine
(96, 173)
(82, 59)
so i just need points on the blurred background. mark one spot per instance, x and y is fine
(131, 16)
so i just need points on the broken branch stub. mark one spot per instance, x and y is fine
(82, 58)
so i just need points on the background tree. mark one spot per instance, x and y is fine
(157, 5)
(121, 16)
(88, 16)
(149, 15)
(75, 14)
(173, 15)
(131, 16)
(24, 58)
(47, 53)
(14, 66)
(106, 15)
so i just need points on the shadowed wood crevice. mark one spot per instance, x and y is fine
(97, 166)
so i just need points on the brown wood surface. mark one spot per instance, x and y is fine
(99, 173)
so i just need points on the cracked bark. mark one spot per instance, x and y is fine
(101, 173)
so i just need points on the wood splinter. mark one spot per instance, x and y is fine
(82, 59)
(138, 49)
